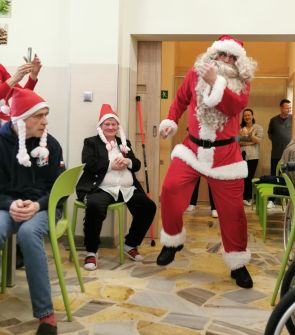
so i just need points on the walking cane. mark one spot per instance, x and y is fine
(138, 105)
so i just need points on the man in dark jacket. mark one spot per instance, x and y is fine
(109, 177)
(27, 173)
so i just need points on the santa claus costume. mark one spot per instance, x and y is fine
(210, 149)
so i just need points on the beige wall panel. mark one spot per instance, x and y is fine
(148, 88)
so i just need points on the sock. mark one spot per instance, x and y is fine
(127, 248)
(50, 319)
(91, 254)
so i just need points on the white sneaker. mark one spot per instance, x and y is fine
(247, 202)
(133, 254)
(214, 213)
(270, 205)
(190, 208)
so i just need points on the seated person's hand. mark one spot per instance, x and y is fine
(23, 210)
(120, 163)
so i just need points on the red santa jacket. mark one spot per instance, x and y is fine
(222, 162)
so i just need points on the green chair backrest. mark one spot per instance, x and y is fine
(63, 187)
(290, 186)
(278, 168)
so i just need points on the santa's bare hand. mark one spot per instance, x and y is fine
(208, 72)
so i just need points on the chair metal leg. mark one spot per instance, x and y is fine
(121, 234)
(4, 267)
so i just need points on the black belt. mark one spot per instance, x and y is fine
(208, 144)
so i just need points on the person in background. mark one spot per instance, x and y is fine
(31, 160)
(109, 177)
(7, 81)
(251, 135)
(216, 90)
(194, 199)
(279, 133)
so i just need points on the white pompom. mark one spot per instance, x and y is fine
(5, 109)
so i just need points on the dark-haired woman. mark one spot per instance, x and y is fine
(250, 138)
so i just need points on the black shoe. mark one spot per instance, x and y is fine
(46, 329)
(167, 254)
(19, 257)
(242, 277)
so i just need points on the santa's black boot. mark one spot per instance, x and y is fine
(167, 254)
(242, 277)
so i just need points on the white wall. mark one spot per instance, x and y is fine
(77, 42)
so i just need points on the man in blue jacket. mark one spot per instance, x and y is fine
(31, 160)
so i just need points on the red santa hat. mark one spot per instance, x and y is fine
(229, 44)
(23, 104)
(106, 112)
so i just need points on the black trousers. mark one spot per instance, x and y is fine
(252, 165)
(141, 207)
(195, 195)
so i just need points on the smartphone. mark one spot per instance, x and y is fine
(29, 55)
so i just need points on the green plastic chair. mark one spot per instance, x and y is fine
(289, 246)
(4, 267)
(262, 193)
(255, 187)
(119, 206)
(63, 187)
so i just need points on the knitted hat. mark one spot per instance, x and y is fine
(106, 112)
(227, 43)
(23, 104)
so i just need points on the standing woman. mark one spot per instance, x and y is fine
(250, 137)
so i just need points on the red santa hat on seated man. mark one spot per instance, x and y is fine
(106, 112)
(23, 104)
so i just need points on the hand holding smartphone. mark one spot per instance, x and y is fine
(28, 59)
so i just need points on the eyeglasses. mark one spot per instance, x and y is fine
(225, 54)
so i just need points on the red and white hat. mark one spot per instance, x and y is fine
(23, 104)
(106, 112)
(227, 43)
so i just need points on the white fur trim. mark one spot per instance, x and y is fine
(232, 171)
(108, 116)
(5, 109)
(30, 111)
(213, 98)
(236, 259)
(173, 240)
(229, 46)
(168, 123)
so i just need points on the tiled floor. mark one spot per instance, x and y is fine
(192, 296)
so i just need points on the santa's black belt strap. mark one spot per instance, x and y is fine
(208, 144)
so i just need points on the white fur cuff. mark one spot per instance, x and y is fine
(213, 98)
(168, 123)
(237, 259)
(173, 240)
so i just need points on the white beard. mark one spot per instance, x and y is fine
(211, 119)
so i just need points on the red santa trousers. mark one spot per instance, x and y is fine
(228, 198)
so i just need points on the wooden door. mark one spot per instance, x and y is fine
(148, 89)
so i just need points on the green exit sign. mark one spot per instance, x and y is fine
(164, 94)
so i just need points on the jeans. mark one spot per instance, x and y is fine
(30, 236)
